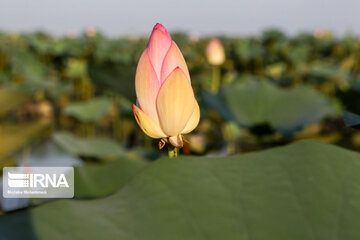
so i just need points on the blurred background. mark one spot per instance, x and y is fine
(67, 69)
(115, 18)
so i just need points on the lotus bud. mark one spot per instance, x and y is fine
(215, 52)
(166, 107)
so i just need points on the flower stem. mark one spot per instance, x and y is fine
(215, 84)
(173, 152)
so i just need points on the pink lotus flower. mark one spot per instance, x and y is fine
(166, 107)
(215, 52)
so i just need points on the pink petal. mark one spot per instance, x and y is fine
(158, 46)
(147, 86)
(173, 59)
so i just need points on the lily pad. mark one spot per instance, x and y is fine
(96, 147)
(89, 111)
(258, 103)
(307, 190)
(100, 180)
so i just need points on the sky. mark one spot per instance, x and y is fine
(204, 17)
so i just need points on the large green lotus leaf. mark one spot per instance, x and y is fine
(89, 111)
(97, 147)
(298, 107)
(286, 110)
(99, 180)
(12, 100)
(305, 191)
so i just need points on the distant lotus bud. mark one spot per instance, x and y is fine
(215, 52)
(166, 107)
(90, 31)
(71, 34)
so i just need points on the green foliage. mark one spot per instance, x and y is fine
(96, 147)
(119, 77)
(79, 74)
(285, 110)
(14, 136)
(94, 181)
(352, 119)
(307, 190)
(11, 101)
(274, 90)
(89, 111)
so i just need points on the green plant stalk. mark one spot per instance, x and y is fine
(229, 138)
(215, 84)
(173, 151)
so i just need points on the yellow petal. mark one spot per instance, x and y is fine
(193, 120)
(173, 59)
(175, 103)
(147, 86)
(149, 126)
